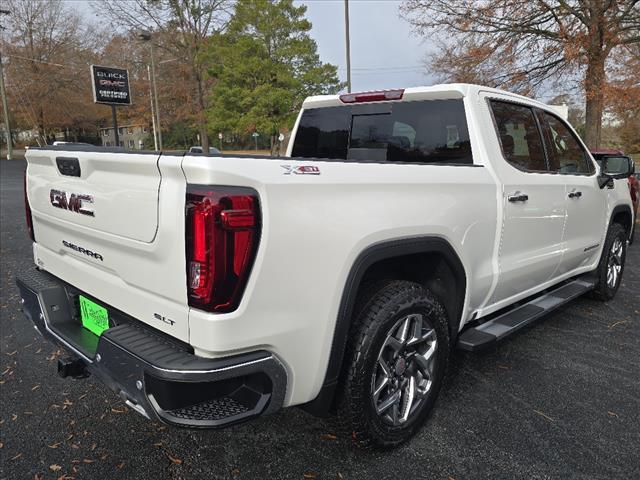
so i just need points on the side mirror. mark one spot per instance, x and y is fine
(615, 167)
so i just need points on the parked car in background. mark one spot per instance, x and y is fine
(617, 157)
(198, 149)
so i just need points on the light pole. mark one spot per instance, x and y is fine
(346, 31)
(5, 108)
(153, 112)
(145, 36)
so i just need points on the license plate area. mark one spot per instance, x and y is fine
(94, 317)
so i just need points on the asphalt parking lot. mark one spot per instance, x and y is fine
(561, 400)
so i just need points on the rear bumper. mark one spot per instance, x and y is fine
(156, 376)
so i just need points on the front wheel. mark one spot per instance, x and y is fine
(395, 364)
(611, 265)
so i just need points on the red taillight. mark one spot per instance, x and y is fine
(222, 233)
(380, 96)
(27, 209)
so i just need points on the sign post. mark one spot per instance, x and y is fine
(255, 136)
(111, 87)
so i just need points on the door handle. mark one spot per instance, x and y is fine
(518, 197)
(575, 194)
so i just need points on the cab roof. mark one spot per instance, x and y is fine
(434, 92)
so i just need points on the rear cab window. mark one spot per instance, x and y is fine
(421, 131)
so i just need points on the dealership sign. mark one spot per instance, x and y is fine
(110, 85)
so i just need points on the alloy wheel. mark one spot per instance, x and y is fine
(404, 370)
(614, 265)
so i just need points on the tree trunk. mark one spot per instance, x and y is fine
(595, 78)
(594, 83)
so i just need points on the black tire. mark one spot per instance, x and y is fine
(605, 290)
(381, 307)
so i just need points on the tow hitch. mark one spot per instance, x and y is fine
(72, 367)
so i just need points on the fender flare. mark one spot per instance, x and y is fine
(623, 208)
(369, 256)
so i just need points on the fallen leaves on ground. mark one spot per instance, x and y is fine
(329, 436)
(620, 322)
(175, 460)
(612, 414)
(309, 475)
(55, 467)
(544, 415)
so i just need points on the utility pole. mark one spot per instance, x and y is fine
(346, 31)
(153, 112)
(146, 36)
(5, 108)
(155, 97)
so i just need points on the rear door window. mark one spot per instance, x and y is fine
(519, 136)
(566, 155)
(430, 131)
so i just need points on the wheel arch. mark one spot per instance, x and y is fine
(623, 215)
(389, 252)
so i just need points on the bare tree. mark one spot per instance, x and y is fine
(183, 28)
(519, 42)
(47, 48)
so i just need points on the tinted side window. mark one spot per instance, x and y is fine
(322, 133)
(430, 131)
(519, 136)
(566, 155)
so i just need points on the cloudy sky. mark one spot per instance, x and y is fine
(384, 52)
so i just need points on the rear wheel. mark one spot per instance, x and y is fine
(395, 364)
(611, 265)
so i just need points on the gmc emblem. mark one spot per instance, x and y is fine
(74, 202)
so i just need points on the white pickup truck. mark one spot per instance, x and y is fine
(401, 224)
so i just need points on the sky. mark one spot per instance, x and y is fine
(384, 52)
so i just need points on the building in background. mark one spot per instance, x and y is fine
(132, 137)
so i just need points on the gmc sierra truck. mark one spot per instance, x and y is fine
(400, 225)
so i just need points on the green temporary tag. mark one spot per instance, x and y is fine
(94, 317)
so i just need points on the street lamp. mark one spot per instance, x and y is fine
(145, 36)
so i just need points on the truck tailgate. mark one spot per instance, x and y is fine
(99, 229)
(123, 190)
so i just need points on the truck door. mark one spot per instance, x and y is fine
(534, 207)
(586, 204)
